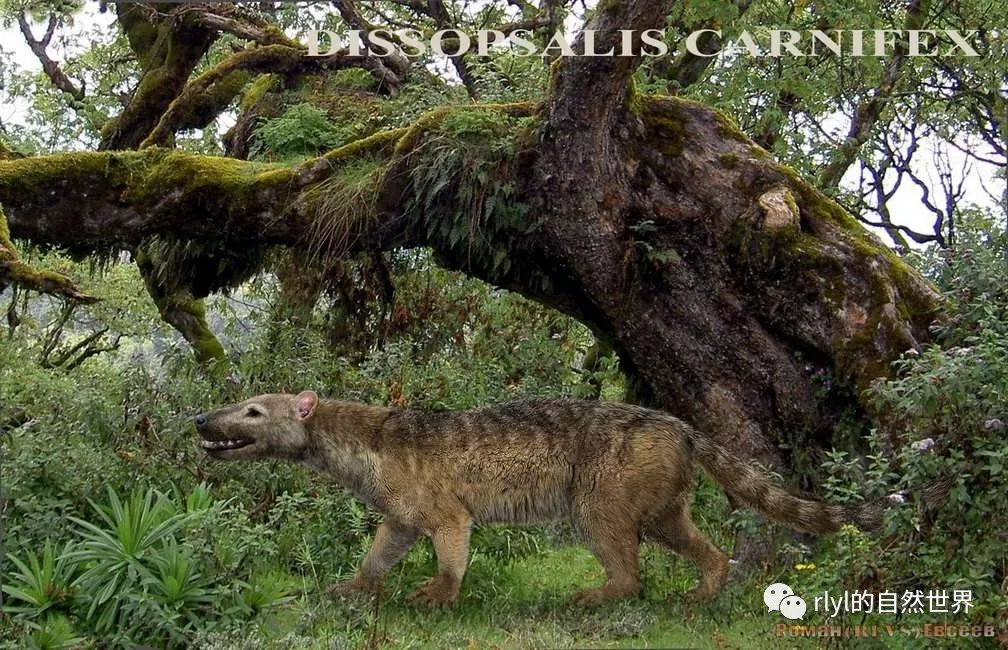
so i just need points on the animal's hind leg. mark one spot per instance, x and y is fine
(675, 529)
(451, 545)
(614, 540)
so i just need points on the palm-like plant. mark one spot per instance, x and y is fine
(115, 553)
(40, 585)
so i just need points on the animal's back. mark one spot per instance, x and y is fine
(534, 460)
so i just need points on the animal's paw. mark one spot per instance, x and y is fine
(437, 592)
(590, 597)
(603, 594)
(352, 588)
(710, 586)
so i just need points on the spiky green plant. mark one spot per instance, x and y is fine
(40, 585)
(117, 554)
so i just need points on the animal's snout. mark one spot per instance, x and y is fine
(200, 421)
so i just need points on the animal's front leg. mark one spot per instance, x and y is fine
(451, 544)
(392, 541)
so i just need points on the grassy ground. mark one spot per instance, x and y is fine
(524, 604)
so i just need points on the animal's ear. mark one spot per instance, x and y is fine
(306, 401)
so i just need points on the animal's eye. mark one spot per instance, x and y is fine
(253, 413)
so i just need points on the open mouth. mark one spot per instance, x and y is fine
(220, 445)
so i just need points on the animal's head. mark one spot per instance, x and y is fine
(265, 426)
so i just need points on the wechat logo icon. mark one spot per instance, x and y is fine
(779, 597)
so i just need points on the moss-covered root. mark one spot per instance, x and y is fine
(186, 313)
(14, 271)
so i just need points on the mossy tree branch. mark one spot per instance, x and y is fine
(14, 271)
(207, 95)
(168, 49)
(124, 198)
(185, 312)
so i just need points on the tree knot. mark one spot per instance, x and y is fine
(779, 208)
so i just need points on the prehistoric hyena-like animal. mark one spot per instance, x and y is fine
(618, 472)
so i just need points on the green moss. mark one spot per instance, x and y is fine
(553, 80)
(14, 271)
(728, 128)
(140, 32)
(37, 174)
(273, 177)
(863, 355)
(277, 34)
(434, 118)
(6, 153)
(223, 91)
(666, 127)
(256, 91)
(205, 346)
(225, 184)
(409, 139)
(820, 206)
(666, 117)
(5, 236)
(791, 204)
(731, 161)
(372, 143)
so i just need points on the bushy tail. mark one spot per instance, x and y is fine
(748, 484)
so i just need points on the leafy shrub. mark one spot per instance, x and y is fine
(945, 418)
(184, 549)
(42, 586)
(132, 576)
(302, 130)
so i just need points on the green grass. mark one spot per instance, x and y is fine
(525, 603)
(521, 604)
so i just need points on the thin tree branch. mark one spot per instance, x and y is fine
(868, 113)
(50, 67)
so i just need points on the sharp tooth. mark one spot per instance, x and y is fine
(230, 443)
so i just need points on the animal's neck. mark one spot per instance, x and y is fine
(343, 439)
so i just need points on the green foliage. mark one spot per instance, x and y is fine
(43, 585)
(154, 555)
(345, 202)
(122, 555)
(944, 421)
(52, 633)
(463, 188)
(135, 575)
(302, 130)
